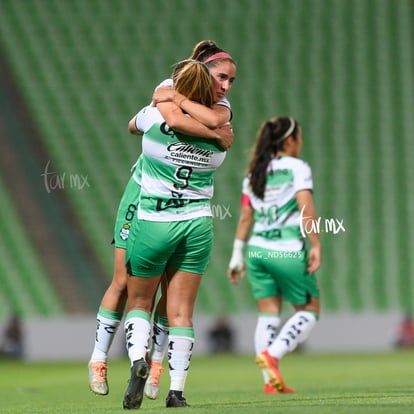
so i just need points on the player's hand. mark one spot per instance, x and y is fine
(226, 136)
(236, 266)
(235, 274)
(314, 259)
(163, 94)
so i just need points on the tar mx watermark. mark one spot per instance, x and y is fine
(220, 211)
(54, 181)
(320, 225)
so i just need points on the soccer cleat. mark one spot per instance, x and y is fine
(268, 389)
(271, 365)
(135, 390)
(152, 386)
(175, 400)
(97, 377)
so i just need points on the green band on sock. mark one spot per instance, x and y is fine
(269, 314)
(109, 314)
(182, 331)
(161, 320)
(138, 314)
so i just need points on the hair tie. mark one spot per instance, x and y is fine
(218, 55)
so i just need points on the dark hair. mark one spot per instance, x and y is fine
(271, 138)
(207, 48)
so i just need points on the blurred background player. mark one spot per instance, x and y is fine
(276, 197)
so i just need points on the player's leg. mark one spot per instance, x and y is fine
(300, 289)
(146, 261)
(114, 300)
(141, 291)
(108, 320)
(182, 292)
(184, 274)
(266, 292)
(160, 332)
(268, 321)
(296, 329)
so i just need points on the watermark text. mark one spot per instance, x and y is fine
(54, 181)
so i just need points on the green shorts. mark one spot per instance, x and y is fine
(181, 245)
(275, 272)
(126, 213)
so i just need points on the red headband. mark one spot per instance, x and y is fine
(219, 55)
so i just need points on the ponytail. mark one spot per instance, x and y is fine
(270, 139)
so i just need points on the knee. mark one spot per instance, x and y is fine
(140, 300)
(313, 305)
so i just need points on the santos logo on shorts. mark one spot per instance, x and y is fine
(319, 225)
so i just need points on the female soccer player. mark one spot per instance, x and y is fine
(276, 197)
(202, 122)
(223, 71)
(174, 214)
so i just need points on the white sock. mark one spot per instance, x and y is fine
(160, 330)
(180, 348)
(137, 333)
(265, 334)
(107, 323)
(293, 332)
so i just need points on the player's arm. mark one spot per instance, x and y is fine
(236, 265)
(132, 126)
(178, 121)
(306, 207)
(212, 117)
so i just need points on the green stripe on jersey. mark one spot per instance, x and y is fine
(289, 207)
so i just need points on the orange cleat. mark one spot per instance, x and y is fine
(97, 377)
(271, 365)
(152, 386)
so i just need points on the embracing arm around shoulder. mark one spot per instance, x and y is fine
(178, 121)
(213, 117)
(306, 207)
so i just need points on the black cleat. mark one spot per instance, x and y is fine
(175, 399)
(135, 390)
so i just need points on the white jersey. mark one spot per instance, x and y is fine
(277, 217)
(177, 171)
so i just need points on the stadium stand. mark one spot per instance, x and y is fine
(342, 68)
(24, 286)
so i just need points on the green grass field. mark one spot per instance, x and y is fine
(339, 384)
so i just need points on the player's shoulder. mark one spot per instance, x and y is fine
(166, 82)
(148, 110)
(148, 116)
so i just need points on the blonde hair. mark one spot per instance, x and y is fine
(193, 80)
